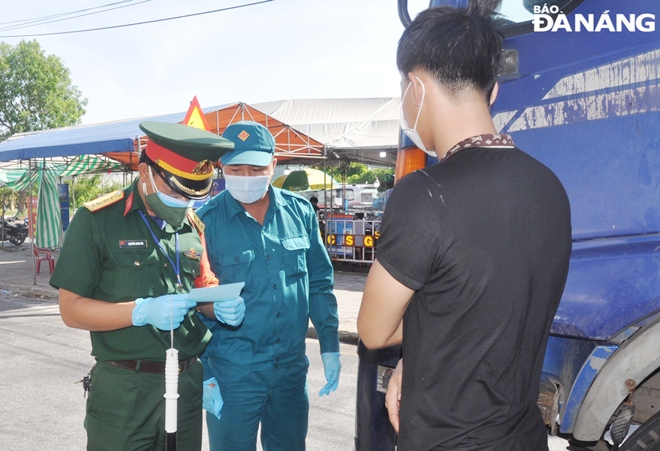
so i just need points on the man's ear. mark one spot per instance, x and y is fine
(417, 89)
(494, 92)
(143, 170)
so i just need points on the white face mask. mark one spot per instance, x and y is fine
(412, 132)
(247, 189)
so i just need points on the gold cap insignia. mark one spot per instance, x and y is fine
(243, 135)
(203, 167)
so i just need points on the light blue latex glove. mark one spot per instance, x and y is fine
(162, 312)
(230, 312)
(212, 398)
(332, 368)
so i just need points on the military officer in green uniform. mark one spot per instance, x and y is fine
(127, 264)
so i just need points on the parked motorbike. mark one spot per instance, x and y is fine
(13, 230)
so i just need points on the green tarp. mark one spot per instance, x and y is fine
(49, 218)
(44, 174)
(19, 179)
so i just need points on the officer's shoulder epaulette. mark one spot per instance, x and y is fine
(104, 201)
(199, 225)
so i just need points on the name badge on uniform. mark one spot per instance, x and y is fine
(132, 244)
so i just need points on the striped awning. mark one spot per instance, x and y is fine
(44, 173)
(83, 164)
(16, 179)
(19, 179)
(49, 218)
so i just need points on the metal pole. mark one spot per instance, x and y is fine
(138, 141)
(31, 229)
(73, 193)
(328, 213)
(61, 241)
(2, 225)
(325, 204)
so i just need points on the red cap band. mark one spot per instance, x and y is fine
(159, 153)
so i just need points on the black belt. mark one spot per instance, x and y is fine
(150, 367)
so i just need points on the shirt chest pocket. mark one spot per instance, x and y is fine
(295, 255)
(135, 272)
(234, 265)
(189, 269)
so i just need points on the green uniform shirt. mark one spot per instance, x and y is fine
(110, 255)
(288, 280)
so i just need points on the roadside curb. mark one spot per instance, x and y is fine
(349, 338)
(30, 291)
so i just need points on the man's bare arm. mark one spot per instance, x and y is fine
(384, 302)
(94, 315)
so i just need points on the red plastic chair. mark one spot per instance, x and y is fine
(42, 255)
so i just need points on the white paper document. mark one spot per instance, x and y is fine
(220, 293)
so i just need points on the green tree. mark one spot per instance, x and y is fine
(371, 175)
(358, 173)
(36, 92)
(9, 200)
(86, 188)
(345, 169)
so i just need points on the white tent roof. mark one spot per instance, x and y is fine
(352, 127)
(358, 129)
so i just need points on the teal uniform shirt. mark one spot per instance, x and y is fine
(110, 255)
(288, 280)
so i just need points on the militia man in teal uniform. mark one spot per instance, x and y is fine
(269, 239)
(128, 261)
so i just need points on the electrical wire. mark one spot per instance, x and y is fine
(137, 23)
(36, 19)
(58, 17)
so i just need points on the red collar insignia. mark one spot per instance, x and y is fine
(129, 204)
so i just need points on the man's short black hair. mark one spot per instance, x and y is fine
(314, 199)
(144, 158)
(459, 48)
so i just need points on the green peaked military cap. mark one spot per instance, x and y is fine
(189, 142)
(184, 156)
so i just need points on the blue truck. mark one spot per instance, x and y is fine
(580, 91)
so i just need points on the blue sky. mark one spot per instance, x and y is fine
(277, 50)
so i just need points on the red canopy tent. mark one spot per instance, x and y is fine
(290, 144)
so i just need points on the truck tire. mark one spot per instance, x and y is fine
(646, 437)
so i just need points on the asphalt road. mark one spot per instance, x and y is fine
(43, 407)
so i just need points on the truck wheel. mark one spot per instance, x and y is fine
(646, 437)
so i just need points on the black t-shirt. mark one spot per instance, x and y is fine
(484, 238)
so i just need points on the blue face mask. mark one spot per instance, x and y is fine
(169, 200)
(199, 203)
(247, 189)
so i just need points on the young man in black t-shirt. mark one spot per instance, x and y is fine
(473, 254)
